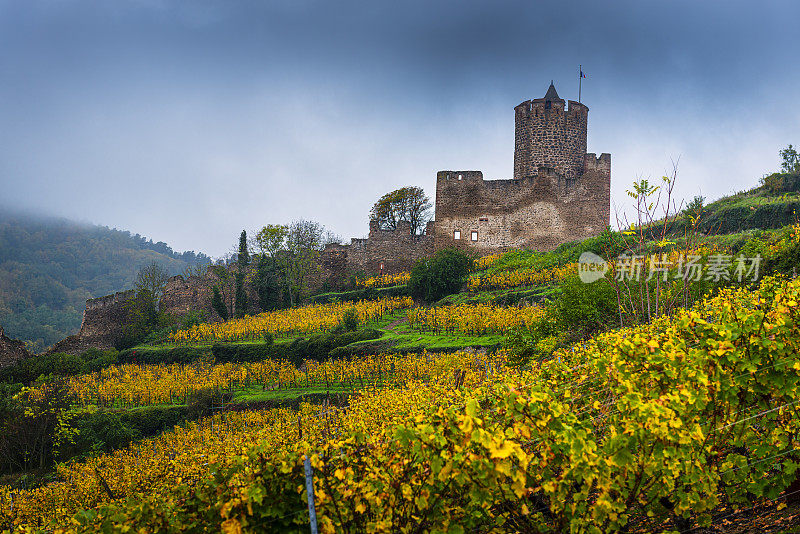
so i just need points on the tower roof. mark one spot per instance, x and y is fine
(551, 94)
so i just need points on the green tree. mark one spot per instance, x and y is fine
(218, 303)
(144, 314)
(267, 282)
(149, 286)
(226, 287)
(790, 160)
(242, 262)
(405, 204)
(271, 239)
(440, 275)
(304, 241)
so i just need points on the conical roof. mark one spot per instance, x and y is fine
(551, 93)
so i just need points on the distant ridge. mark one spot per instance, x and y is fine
(49, 266)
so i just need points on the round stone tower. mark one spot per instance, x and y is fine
(549, 135)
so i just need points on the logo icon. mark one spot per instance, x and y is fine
(591, 267)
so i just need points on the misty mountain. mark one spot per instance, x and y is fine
(50, 266)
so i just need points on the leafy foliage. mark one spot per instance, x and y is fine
(409, 204)
(440, 275)
(49, 267)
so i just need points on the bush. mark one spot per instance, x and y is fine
(243, 352)
(578, 311)
(440, 275)
(350, 320)
(89, 431)
(57, 364)
(159, 355)
(584, 309)
(85, 433)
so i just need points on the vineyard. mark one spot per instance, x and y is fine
(133, 386)
(474, 319)
(294, 321)
(680, 423)
(640, 429)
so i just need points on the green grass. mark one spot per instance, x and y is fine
(405, 339)
(255, 394)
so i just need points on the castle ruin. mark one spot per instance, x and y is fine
(559, 193)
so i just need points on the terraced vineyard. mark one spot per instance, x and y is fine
(492, 410)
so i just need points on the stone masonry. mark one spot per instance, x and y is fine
(103, 322)
(383, 251)
(11, 350)
(559, 193)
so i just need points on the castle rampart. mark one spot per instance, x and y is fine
(383, 251)
(558, 193)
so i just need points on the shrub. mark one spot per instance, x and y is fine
(158, 355)
(584, 309)
(57, 364)
(349, 320)
(774, 183)
(89, 431)
(440, 275)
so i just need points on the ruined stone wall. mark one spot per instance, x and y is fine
(11, 350)
(547, 135)
(184, 295)
(103, 321)
(195, 292)
(538, 212)
(387, 251)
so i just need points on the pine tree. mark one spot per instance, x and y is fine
(243, 261)
(218, 304)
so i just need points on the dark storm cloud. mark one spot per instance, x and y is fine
(188, 121)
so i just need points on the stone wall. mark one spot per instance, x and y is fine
(538, 212)
(11, 350)
(383, 251)
(103, 321)
(194, 294)
(559, 193)
(552, 137)
(184, 295)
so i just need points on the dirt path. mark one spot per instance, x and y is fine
(395, 324)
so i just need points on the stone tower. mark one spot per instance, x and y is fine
(548, 135)
(559, 192)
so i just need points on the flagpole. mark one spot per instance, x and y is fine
(580, 81)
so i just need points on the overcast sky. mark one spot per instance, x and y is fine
(189, 121)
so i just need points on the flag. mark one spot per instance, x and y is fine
(583, 75)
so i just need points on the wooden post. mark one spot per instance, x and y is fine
(312, 512)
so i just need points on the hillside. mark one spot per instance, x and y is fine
(773, 204)
(520, 390)
(507, 378)
(50, 266)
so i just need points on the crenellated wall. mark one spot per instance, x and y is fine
(538, 212)
(383, 251)
(559, 193)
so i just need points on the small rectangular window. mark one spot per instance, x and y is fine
(457, 234)
(474, 236)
